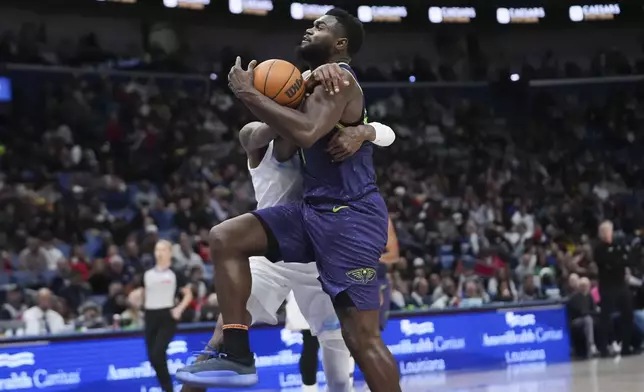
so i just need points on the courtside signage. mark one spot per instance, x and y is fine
(250, 7)
(372, 13)
(301, 11)
(580, 13)
(523, 15)
(451, 14)
(422, 345)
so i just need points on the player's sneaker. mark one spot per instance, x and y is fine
(218, 372)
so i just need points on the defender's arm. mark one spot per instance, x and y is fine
(256, 135)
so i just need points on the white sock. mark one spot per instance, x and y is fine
(309, 388)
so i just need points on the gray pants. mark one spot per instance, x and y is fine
(588, 324)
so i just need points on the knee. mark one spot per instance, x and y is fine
(219, 240)
(360, 341)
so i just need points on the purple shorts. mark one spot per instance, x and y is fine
(345, 240)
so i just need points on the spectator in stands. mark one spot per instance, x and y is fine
(79, 261)
(399, 293)
(210, 309)
(42, 319)
(33, 258)
(63, 273)
(76, 291)
(184, 257)
(504, 293)
(197, 281)
(60, 306)
(116, 301)
(420, 297)
(548, 285)
(90, 317)
(500, 277)
(583, 312)
(132, 317)
(573, 283)
(99, 279)
(614, 293)
(472, 295)
(52, 254)
(526, 266)
(448, 297)
(117, 270)
(132, 258)
(14, 306)
(146, 196)
(529, 290)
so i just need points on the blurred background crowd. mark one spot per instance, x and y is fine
(496, 189)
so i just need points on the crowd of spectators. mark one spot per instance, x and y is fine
(496, 193)
(461, 57)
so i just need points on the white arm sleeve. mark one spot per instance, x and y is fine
(385, 136)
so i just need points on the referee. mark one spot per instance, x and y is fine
(161, 288)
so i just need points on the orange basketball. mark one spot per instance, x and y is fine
(280, 81)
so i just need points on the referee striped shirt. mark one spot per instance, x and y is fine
(162, 288)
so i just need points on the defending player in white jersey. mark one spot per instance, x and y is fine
(278, 181)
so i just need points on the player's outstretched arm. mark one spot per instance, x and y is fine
(319, 113)
(349, 140)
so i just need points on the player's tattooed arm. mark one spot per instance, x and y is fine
(318, 116)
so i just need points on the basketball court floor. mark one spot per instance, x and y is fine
(600, 375)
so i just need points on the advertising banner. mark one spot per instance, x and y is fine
(428, 344)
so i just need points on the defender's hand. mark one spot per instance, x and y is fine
(331, 76)
(240, 80)
(348, 141)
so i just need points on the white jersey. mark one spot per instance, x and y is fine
(276, 182)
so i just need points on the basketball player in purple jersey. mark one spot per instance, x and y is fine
(341, 223)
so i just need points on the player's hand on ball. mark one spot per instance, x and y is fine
(331, 76)
(345, 143)
(240, 79)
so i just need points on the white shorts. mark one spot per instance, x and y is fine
(272, 284)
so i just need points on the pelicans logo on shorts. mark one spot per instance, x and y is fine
(362, 275)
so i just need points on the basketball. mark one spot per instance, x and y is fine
(280, 81)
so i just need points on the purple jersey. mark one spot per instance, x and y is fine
(345, 181)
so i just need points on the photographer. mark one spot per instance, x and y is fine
(612, 260)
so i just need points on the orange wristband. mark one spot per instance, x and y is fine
(235, 326)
